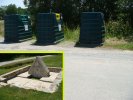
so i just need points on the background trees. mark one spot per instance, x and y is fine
(11, 9)
(117, 13)
(2, 13)
(71, 9)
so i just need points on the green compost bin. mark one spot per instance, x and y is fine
(17, 28)
(49, 28)
(92, 30)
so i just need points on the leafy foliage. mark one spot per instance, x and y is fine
(2, 13)
(120, 30)
(118, 13)
(71, 9)
(11, 9)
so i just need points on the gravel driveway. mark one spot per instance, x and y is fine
(91, 73)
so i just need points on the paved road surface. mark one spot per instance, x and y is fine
(92, 73)
(99, 75)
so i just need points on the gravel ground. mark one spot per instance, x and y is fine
(91, 73)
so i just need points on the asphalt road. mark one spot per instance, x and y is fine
(99, 75)
(91, 73)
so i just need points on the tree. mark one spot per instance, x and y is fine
(108, 7)
(21, 11)
(72, 9)
(68, 8)
(2, 13)
(11, 9)
(125, 11)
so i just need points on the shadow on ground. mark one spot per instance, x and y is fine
(87, 45)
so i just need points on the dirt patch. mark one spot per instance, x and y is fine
(67, 44)
(115, 41)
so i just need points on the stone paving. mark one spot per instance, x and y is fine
(33, 84)
(3, 84)
(49, 84)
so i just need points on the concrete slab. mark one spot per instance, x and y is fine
(3, 84)
(33, 84)
(52, 77)
(2, 79)
(58, 79)
(24, 75)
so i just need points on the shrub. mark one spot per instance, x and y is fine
(120, 30)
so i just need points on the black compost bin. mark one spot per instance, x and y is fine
(17, 28)
(49, 28)
(92, 30)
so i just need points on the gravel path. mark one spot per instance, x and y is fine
(92, 73)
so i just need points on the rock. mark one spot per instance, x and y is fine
(39, 69)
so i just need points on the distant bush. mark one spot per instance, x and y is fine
(120, 30)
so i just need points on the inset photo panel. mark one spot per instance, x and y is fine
(31, 75)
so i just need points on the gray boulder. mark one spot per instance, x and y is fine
(39, 69)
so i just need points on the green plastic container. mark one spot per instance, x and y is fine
(92, 30)
(49, 28)
(17, 28)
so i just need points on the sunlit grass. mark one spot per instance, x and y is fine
(1, 28)
(71, 34)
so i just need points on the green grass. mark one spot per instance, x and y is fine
(118, 44)
(71, 35)
(52, 61)
(126, 46)
(14, 93)
(4, 70)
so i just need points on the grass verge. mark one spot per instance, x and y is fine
(118, 44)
